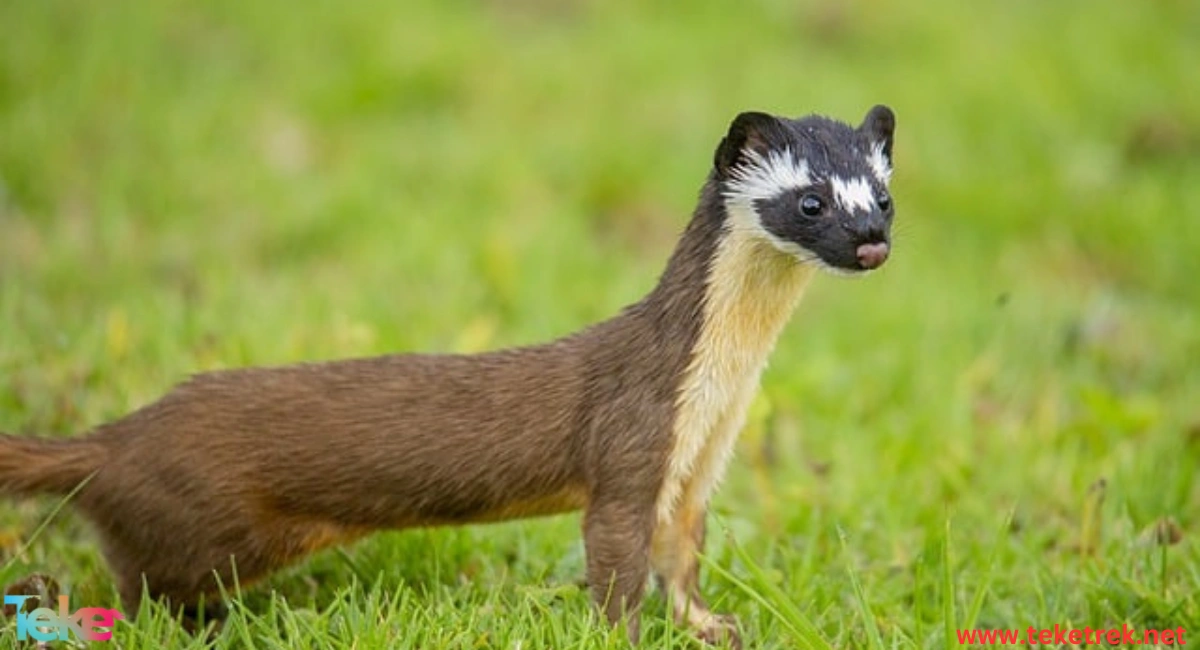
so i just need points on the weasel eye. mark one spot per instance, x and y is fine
(884, 201)
(811, 205)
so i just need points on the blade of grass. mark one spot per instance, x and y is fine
(772, 598)
(864, 609)
(919, 599)
(1092, 519)
(977, 601)
(948, 595)
(46, 522)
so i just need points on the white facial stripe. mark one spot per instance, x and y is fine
(879, 163)
(852, 195)
(765, 178)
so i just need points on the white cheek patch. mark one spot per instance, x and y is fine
(879, 163)
(762, 178)
(765, 178)
(852, 195)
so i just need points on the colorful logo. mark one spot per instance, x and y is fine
(44, 624)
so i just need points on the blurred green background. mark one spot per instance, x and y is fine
(195, 185)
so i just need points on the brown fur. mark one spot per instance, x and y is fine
(260, 467)
(267, 465)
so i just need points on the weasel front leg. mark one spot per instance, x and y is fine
(616, 536)
(674, 550)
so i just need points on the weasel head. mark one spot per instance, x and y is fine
(815, 188)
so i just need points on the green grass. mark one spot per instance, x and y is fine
(186, 186)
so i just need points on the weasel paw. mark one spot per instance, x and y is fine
(721, 629)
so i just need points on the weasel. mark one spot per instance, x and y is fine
(632, 419)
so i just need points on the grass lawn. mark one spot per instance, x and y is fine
(986, 434)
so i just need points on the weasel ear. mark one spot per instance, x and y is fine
(879, 125)
(749, 131)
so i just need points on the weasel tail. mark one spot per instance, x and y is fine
(30, 466)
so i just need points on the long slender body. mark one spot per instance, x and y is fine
(632, 419)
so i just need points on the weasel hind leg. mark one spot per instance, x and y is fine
(191, 578)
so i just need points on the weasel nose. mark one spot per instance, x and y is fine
(871, 256)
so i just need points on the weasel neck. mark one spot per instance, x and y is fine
(748, 291)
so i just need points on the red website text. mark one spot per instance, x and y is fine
(1058, 636)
